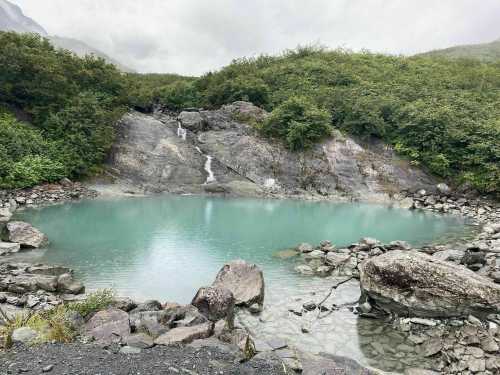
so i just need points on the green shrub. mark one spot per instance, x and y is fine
(96, 301)
(299, 122)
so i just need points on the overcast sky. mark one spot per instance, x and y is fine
(195, 36)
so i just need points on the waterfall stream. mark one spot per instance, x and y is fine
(208, 167)
(181, 132)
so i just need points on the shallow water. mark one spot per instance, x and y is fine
(166, 247)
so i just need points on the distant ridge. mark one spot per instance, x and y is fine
(488, 52)
(12, 18)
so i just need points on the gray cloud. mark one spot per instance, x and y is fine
(192, 37)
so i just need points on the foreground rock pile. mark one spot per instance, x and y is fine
(36, 287)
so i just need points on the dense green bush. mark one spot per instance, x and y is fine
(299, 121)
(72, 103)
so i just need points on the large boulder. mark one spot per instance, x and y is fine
(108, 326)
(191, 120)
(410, 283)
(245, 281)
(25, 235)
(215, 304)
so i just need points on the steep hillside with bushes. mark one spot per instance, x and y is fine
(71, 105)
(441, 114)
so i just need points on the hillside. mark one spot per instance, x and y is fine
(12, 18)
(488, 52)
(441, 115)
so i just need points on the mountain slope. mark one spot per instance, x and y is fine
(487, 52)
(12, 18)
(82, 49)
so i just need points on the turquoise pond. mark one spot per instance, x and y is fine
(166, 247)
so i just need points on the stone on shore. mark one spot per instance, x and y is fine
(66, 284)
(414, 284)
(108, 326)
(24, 335)
(5, 215)
(185, 335)
(244, 280)
(26, 235)
(215, 304)
(9, 248)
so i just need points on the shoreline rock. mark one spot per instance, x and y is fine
(409, 283)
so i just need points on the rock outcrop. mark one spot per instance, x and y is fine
(410, 283)
(25, 235)
(245, 281)
(167, 153)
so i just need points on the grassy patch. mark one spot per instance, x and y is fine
(55, 324)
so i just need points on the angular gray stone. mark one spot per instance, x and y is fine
(24, 335)
(5, 216)
(185, 335)
(215, 304)
(108, 326)
(244, 280)
(66, 284)
(9, 248)
(139, 340)
(26, 235)
(191, 120)
(337, 259)
(415, 284)
(305, 248)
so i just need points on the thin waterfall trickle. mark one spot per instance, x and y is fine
(181, 132)
(208, 167)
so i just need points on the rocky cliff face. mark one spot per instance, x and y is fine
(163, 152)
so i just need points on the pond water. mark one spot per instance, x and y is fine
(166, 247)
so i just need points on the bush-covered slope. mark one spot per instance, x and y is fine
(442, 114)
(489, 52)
(72, 103)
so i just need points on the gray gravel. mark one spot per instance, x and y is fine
(81, 359)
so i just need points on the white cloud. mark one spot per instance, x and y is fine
(192, 37)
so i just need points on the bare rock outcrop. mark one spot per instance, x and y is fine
(166, 152)
(410, 283)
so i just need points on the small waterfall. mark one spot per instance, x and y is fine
(181, 132)
(270, 182)
(208, 167)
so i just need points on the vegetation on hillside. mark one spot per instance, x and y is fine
(71, 103)
(489, 52)
(441, 114)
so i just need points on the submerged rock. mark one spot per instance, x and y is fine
(25, 234)
(245, 281)
(415, 284)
